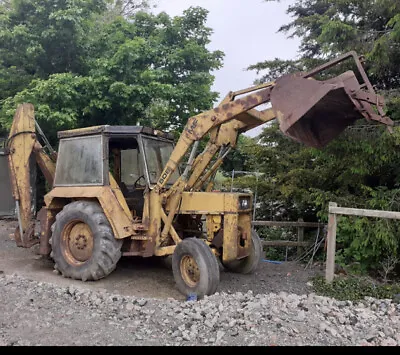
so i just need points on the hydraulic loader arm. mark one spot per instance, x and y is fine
(223, 133)
(240, 110)
(310, 111)
(20, 145)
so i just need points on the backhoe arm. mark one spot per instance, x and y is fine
(21, 143)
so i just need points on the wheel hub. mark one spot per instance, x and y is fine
(189, 270)
(78, 242)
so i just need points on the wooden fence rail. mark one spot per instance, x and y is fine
(334, 210)
(300, 225)
(284, 243)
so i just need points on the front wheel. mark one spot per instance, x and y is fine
(83, 243)
(250, 263)
(195, 268)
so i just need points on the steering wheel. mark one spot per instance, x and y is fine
(137, 180)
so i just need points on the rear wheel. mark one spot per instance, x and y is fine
(248, 264)
(83, 243)
(195, 268)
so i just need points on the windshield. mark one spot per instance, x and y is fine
(80, 161)
(157, 155)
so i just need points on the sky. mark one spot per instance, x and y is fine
(246, 31)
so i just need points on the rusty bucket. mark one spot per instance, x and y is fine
(314, 112)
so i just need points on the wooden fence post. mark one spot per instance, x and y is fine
(300, 238)
(331, 247)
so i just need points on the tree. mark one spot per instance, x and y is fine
(359, 168)
(151, 69)
(43, 37)
(328, 28)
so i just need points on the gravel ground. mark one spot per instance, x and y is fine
(146, 277)
(274, 306)
(39, 313)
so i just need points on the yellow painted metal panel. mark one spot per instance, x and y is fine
(118, 193)
(230, 244)
(237, 236)
(209, 202)
(203, 202)
(213, 225)
(121, 223)
(21, 141)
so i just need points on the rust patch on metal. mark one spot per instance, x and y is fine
(80, 131)
(46, 219)
(189, 270)
(218, 239)
(17, 238)
(28, 238)
(315, 112)
(225, 107)
(251, 101)
(242, 243)
(312, 112)
(77, 242)
(132, 247)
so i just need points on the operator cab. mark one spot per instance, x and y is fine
(134, 155)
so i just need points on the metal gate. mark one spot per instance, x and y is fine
(7, 203)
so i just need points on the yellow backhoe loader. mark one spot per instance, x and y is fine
(119, 190)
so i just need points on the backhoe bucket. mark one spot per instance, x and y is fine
(315, 112)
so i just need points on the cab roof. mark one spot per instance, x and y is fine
(114, 131)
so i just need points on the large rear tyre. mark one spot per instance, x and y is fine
(195, 268)
(83, 244)
(250, 263)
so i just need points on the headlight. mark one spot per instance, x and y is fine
(244, 203)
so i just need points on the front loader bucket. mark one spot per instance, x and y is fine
(315, 112)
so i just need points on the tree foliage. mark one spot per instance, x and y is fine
(360, 167)
(39, 38)
(81, 66)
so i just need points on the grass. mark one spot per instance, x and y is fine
(353, 288)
